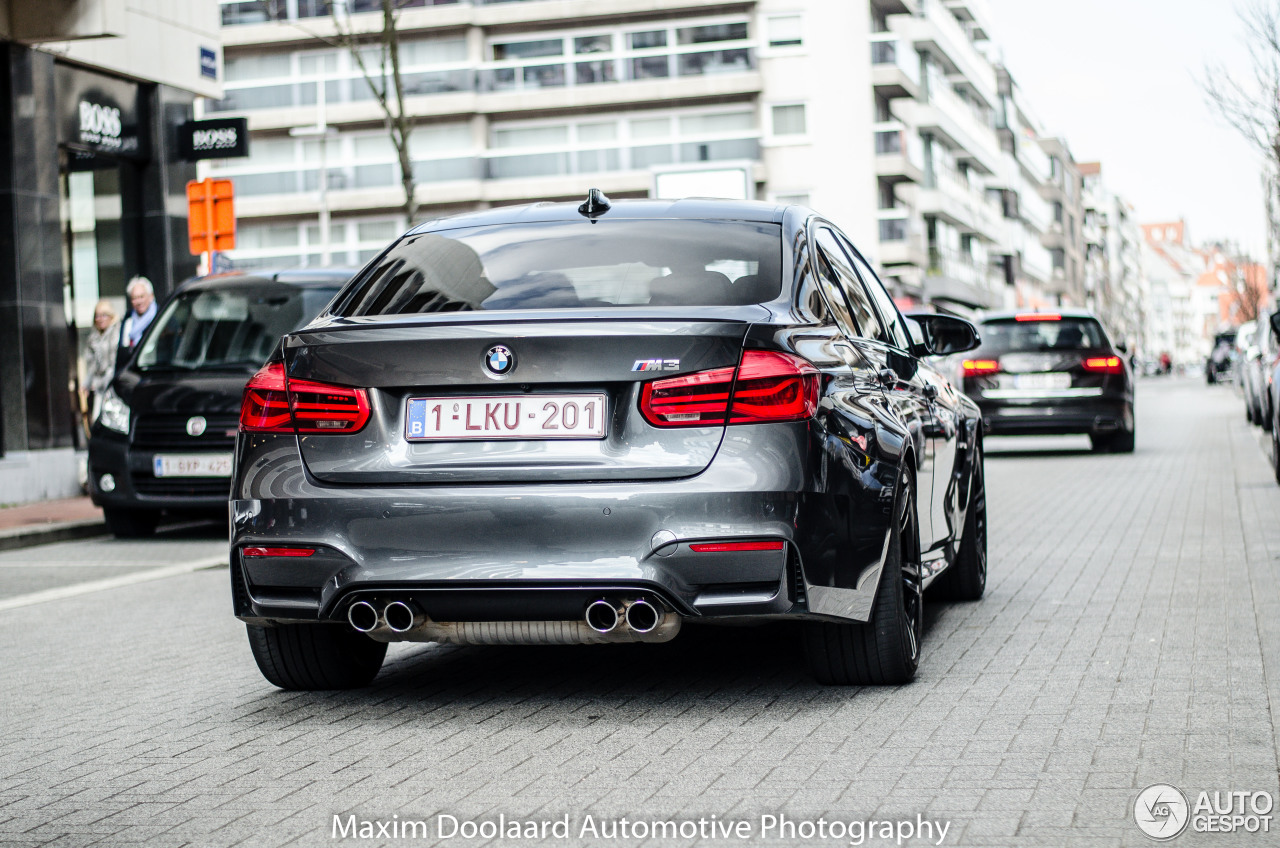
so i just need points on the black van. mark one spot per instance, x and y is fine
(167, 427)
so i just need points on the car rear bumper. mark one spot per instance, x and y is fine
(538, 552)
(1055, 415)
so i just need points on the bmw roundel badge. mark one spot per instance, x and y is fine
(500, 360)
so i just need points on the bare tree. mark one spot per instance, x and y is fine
(376, 52)
(1251, 105)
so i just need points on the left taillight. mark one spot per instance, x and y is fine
(265, 405)
(767, 386)
(272, 404)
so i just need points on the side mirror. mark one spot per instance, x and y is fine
(944, 334)
(1275, 323)
(1122, 347)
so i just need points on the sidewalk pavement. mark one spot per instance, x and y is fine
(49, 521)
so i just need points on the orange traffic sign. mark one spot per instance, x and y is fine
(211, 215)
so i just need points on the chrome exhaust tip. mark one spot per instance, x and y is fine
(601, 616)
(401, 617)
(642, 616)
(362, 616)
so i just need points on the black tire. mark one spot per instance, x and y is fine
(966, 579)
(315, 656)
(130, 523)
(1124, 441)
(884, 651)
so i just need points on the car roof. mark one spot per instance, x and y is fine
(696, 208)
(1011, 314)
(291, 277)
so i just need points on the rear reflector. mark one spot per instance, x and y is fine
(279, 552)
(1104, 364)
(1038, 316)
(768, 386)
(981, 367)
(721, 547)
(273, 405)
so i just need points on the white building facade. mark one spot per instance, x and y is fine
(886, 116)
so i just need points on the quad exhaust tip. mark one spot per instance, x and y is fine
(363, 616)
(400, 617)
(642, 616)
(601, 616)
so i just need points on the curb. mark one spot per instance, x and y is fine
(44, 534)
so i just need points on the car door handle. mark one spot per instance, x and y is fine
(887, 377)
(930, 391)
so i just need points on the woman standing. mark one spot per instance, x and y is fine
(99, 356)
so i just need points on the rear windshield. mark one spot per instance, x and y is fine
(1064, 334)
(228, 328)
(574, 265)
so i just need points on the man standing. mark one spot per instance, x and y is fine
(142, 300)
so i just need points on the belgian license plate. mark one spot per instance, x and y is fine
(509, 417)
(192, 465)
(1048, 380)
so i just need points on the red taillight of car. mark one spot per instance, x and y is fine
(278, 552)
(723, 547)
(981, 367)
(1104, 365)
(270, 405)
(767, 386)
(265, 406)
(1038, 316)
(321, 408)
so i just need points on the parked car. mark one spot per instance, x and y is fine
(1052, 373)
(1271, 390)
(586, 424)
(164, 440)
(1256, 358)
(1220, 366)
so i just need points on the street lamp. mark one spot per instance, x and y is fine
(322, 131)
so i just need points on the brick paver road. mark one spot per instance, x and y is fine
(1131, 635)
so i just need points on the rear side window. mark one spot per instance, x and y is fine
(1040, 335)
(572, 265)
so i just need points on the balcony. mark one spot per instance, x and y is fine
(1036, 263)
(958, 278)
(895, 66)
(897, 7)
(950, 118)
(940, 33)
(901, 239)
(964, 209)
(899, 153)
(608, 68)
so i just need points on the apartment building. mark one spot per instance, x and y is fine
(1173, 267)
(888, 116)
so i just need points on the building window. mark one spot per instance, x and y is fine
(789, 120)
(785, 31)
(796, 199)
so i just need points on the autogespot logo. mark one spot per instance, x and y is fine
(500, 360)
(1161, 811)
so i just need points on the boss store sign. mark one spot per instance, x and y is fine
(99, 114)
(221, 138)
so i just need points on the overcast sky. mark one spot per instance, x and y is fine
(1119, 79)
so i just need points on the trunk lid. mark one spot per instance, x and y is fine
(463, 415)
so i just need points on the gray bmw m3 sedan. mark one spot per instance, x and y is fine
(597, 423)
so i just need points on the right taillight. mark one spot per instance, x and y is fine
(981, 367)
(272, 404)
(767, 386)
(1104, 365)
